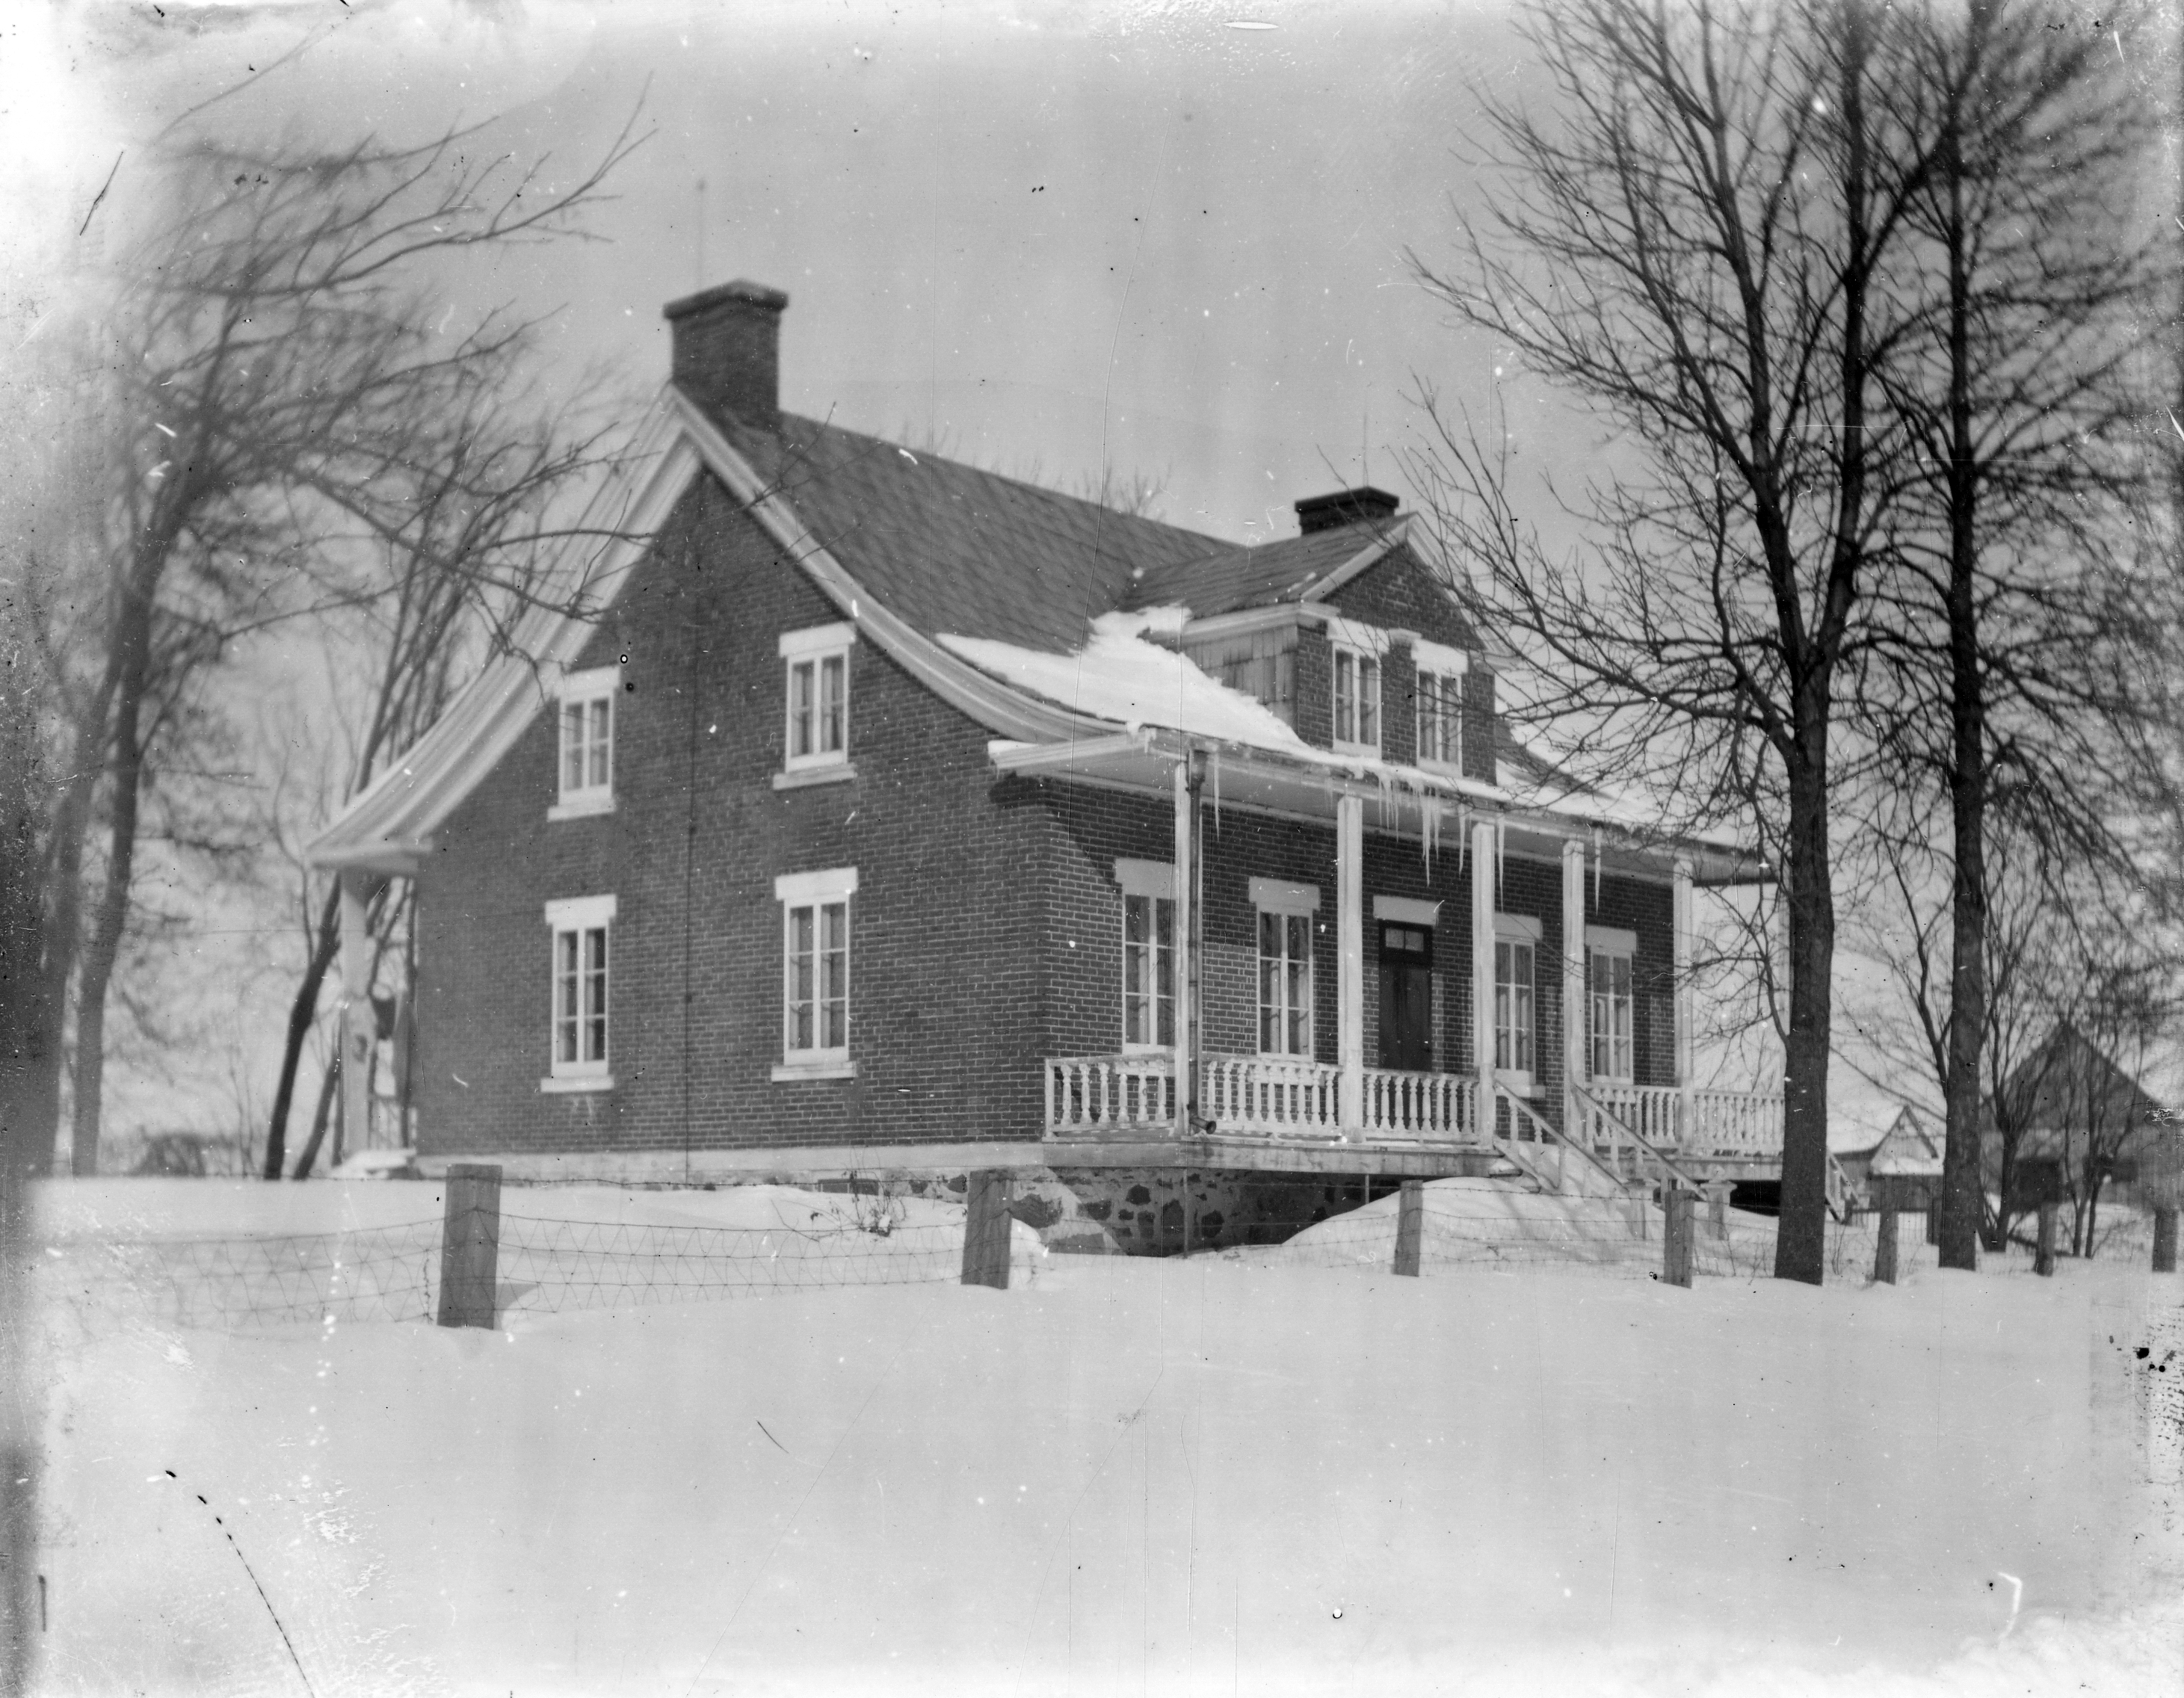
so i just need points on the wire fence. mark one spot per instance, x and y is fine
(372, 1273)
(549, 1264)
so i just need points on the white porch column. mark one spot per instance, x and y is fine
(1349, 959)
(358, 1029)
(1681, 887)
(1186, 976)
(1482, 968)
(1574, 1057)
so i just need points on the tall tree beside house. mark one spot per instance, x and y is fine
(1691, 244)
(2006, 675)
(397, 651)
(281, 372)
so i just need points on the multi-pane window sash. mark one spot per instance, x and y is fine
(1284, 984)
(1513, 1004)
(1440, 719)
(818, 707)
(580, 998)
(1148, 971)
(1608, 971)
(585, 771)
(817, 733)
(818, 988)
(1357, 700)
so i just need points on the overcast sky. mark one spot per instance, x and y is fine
(1168, 238)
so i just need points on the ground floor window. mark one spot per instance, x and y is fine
(1607, 983)
(1284, 984)
(1148, 972)
(816, 966)
(581, 926)
(1513, 962)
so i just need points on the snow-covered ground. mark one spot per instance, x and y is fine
(1254, 1473)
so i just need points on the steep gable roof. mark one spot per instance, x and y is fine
(952, 549)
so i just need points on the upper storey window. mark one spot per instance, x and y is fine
(586, 758)
(817, 734)
(1357, 665)
(1357, 700)
(1441, 704)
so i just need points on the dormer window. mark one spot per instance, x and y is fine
(1357, 701)
(817, 738)
(586, 758)
(1439, 699)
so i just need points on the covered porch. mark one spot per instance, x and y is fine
(1554, 1116)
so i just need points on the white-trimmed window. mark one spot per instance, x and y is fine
(1357, 700)
(814, 914)
(817, 730)
(1439, 699)
(1285, 923)
(1516, 960)
(1608, 955)
(579, 1051)
(585, 757)
(1148, 889)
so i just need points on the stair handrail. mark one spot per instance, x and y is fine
(1636, 1137)
(1518, 1105)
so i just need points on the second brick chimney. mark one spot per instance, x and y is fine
(1364, 505)
(727, 350)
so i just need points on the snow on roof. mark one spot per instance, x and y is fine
(1118, 676)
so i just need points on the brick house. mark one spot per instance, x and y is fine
(878, 814)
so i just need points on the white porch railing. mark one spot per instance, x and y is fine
(1096, 1094)
(1654, 1112)
(1255, 1096)
(1435, 1106)
(1734, 1123)
(1272, 1096)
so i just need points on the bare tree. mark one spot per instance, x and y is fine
(1999, 629)
(278, 374)
(1692, 244)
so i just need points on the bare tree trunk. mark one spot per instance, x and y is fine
(327, 1088)
(1960, 1179)
(1801, 1235)
(301, 1012)
(134, 616)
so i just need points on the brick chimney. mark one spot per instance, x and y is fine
(1364, 505)
(727, 350)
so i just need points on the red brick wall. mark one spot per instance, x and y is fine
(945, 970)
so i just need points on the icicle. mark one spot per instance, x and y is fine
(1429, 829)
(1501, 853)
(1595, 869)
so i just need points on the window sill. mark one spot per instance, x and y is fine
(786, 1072)
(802, 777)
(581, 808)
(569, 1084)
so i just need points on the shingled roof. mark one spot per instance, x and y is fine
(954, 549)
(1225, 579)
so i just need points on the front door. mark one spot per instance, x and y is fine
(1406, 998)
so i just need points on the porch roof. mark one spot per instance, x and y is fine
(1305, 783)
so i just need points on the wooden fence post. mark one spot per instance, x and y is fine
(1676, 1236)
(1884, 1249)
(2043, 1259)
(1410, 1226)
(2164, 1240)
(1717, 1196)
(470, 1246)
(986, 1222)
(1933, 1220)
